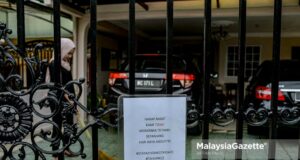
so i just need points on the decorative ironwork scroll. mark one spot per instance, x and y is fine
(20, 120)
(254, 116)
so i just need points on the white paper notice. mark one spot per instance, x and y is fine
(154, 128)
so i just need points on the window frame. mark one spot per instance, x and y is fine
(236, 46)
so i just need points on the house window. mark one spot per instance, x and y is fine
(251, 60)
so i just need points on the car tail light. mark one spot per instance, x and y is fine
(114, 76)
(186, 80)
(151, 54)
(264, 93)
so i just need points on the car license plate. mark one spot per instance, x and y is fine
(297, 96)
(147, 83)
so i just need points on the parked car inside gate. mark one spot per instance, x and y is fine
(259, 88)
(150, 78)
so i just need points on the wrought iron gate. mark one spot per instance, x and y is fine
(16, 116)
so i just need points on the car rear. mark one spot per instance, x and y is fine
(288, 89)
(150, 78)
(260, 92)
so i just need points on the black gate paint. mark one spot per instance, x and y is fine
(206, 115)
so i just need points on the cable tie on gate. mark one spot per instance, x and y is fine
(270, 113)
(202, 116)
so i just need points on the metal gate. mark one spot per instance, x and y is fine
(16, 115)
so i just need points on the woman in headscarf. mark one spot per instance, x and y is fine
(67, 51)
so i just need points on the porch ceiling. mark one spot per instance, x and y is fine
(191, 27)
(216, 3)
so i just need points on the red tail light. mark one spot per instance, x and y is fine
(186, 80)
(264, 93)
(151, 54)
(114, 76)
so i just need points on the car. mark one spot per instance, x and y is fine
(150, 78)
(259, 89)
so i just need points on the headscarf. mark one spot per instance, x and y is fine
(66, 46)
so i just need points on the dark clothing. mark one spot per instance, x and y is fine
(65, 77)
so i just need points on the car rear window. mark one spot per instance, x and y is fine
(289, 70)
(157, 64)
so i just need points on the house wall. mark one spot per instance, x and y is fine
(265, 52)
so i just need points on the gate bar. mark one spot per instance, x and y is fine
(57, 46)
(57, 36)
(93, 68)
(241, 75)
(275, 75)
(169, 46)
(298, 143)
(206, 70)
(21, 26)
(131, 46)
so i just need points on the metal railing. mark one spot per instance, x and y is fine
(17, 121)
(9, 134)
